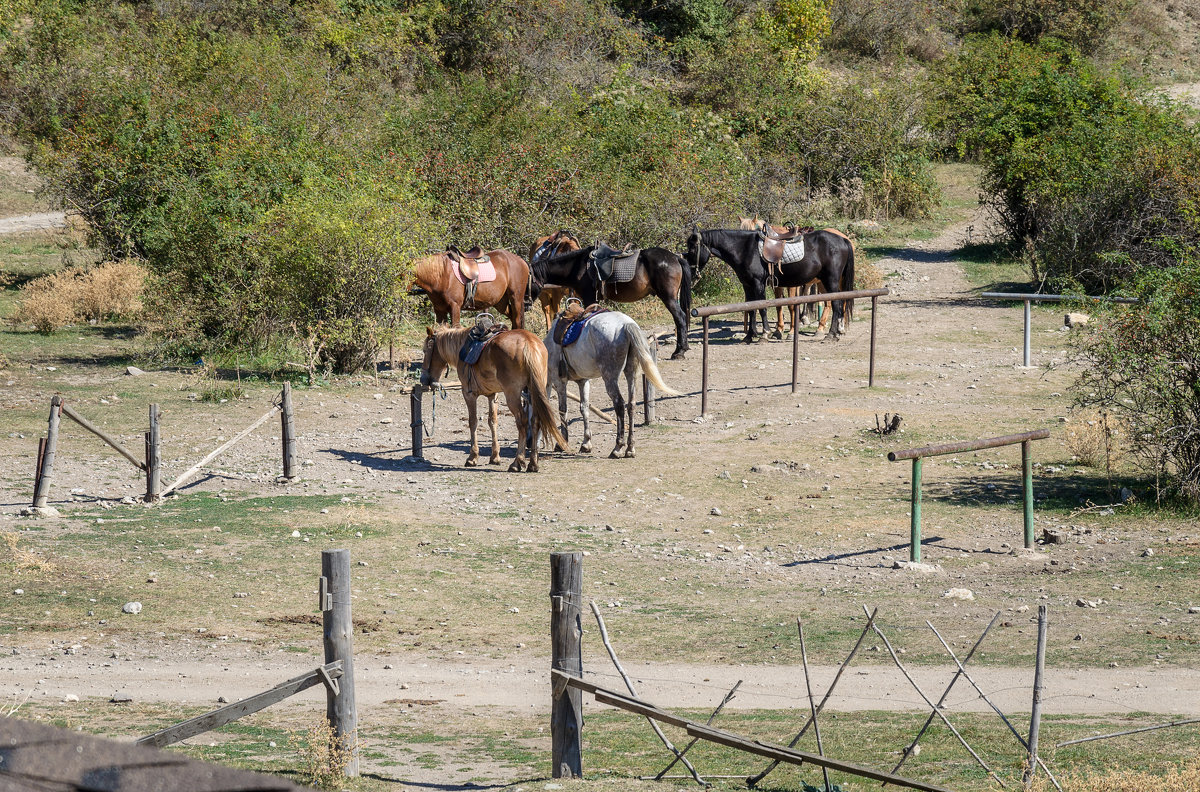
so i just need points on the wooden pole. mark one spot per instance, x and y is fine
(871, 365)
(416, 424)
(1035, 717)
(612, 654)
(37, 470)
(663, 773)
(153, 457)
(42, 486)
(812, 705)
(86, 424)
(795, 347)
(288, 421)
(188, 473)
(704, 371)
(566, 632)
(648, 393)
(338, 633)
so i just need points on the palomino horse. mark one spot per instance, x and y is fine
(659, 272)
(434, 275)
(609, 343)
(512, 362)
(828, 257)
(551, 297)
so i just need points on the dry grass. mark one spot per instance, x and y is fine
(866, 274)
(1094, 438)
(109, 290)
(20, 558)
(324, 756)
(1179, 779)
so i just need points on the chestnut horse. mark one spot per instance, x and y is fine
(434, 275)
(512, 362)
(552, 296)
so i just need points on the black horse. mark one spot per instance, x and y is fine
(659, 271)
(828, 257)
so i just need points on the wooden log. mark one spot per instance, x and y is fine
(728, 697)
(338, 635)
(633, 692)
(721, 737)
(153, 458)
(1035, 715)
(288, 421)
(41, 489)
(192, 470)
(870, 624)
(86, 424)
(240, 709)
(1170, 725)
(37, 469)
(566, 655)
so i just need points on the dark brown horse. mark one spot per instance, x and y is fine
(512, 363)
(434, 275)
(659, 272)
(552, 296)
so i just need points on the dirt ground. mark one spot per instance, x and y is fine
(785, 497)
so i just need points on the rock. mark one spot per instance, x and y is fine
(132, 607)
(222, 700)
(715, 512)
(1075, 320)
(1086, 603)
(1194, 610)
(133, 371)
(39, 511)
(120, 698)
(1148, 552)
(1054, 536)
(1126, 494)
(18, 591)
(916, 566)
(385, 420)
(241, 594)
(295, 534)
(725, 475)
(959, 593)
(70, 697)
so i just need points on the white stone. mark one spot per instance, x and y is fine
(959, 593)
(132, 607)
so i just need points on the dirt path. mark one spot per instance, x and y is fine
(40, 221)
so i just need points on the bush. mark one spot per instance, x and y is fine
(1085, 24)
(880, 30)
(107, 291)
(1141, 364)
(48, 303)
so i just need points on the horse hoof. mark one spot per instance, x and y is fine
(532, 468)
(629, 454)
(679, 354)
(494, 460)
(778, 336)
(561, 449)
(516, 467)
(586, 448)
(472, 462)
(614, 454)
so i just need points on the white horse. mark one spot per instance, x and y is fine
(610, 343)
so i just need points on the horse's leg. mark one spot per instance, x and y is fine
(632, 366)
(560, 386)
(472, 421)
(838, 306)
(455, 313)
(516, 408)
(531, 439)
(585, 391)
(493, 424)
(779, 292)
(618, 401)
(680, 319)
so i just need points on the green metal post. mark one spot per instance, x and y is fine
(1027, 490)
(914, 540)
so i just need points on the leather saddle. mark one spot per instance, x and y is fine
(773, 244)
(609, 264)
(485, 329)
(468, 264)
(570, 322)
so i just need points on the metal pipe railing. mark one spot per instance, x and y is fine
(1025, 439)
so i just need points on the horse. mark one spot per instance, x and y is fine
(434, 275)
(812, 287)
(828, 257)
(659, 271)
(609, 343)
(551, 297)
(512, 362)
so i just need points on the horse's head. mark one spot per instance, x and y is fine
(433, 363)
(751, 223)
(697, 254)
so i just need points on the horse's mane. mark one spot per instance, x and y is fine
(449, 340)
(429, 268)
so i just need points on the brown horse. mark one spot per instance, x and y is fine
(513, 362)
(552, 296)
(434, 275)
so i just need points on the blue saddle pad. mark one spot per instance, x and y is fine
(472, 348)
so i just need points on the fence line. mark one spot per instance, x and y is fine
(1032, 298)
(793, 302)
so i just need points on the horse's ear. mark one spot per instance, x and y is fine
(428, 331)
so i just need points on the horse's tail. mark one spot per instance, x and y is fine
(848, 282)
(642, 350)
(535, 371)
(685, 293)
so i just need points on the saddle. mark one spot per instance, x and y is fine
(486, 328)
(779, 247)
(468, 266)
(570, 322)
(609, 264)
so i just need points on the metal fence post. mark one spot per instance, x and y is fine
(871, 369)
(1027, 490)
(704, 372)
(1026, 358)
(914, 536)
(795, 346)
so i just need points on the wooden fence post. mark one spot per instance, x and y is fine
(153, 458)
(649, 396)
(418, 426)
(566, 631)
(288, 421)
(1035, 716)
(41, 487)
(338, 631)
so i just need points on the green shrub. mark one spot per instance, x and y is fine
(1141, 364)
(1082, 23)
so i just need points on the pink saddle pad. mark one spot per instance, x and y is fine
(487, 272)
